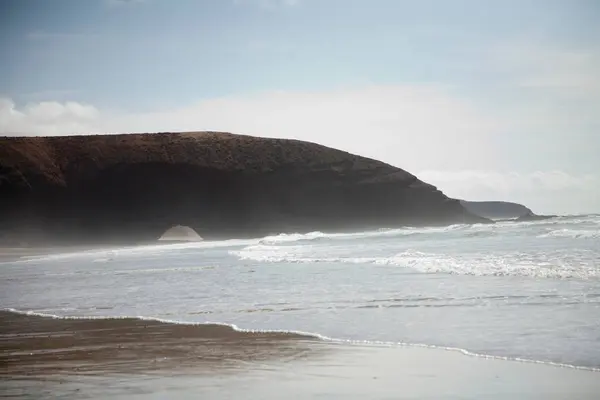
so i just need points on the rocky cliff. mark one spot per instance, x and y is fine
(115, 188)
(496, 209)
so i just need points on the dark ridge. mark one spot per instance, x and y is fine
(133, 187)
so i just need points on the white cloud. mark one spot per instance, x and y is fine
(47, 118)
(570, 71)
(402, 123)
(544, 191)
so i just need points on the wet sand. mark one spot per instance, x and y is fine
(38, 346)
(15, 253)
(132, 358)
(9, 254)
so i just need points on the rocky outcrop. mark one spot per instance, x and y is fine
(180, 233)
(496, 209)
(134, 187)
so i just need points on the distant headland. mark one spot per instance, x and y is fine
(501, 210)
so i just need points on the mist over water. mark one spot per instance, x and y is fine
(527, 290)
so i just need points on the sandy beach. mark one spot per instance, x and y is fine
(12, 253)
(8, 253)
(135, 358)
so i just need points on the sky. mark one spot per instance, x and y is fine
(487, 100)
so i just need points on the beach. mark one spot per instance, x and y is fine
(136, 358)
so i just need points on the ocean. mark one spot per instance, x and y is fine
(522, 291)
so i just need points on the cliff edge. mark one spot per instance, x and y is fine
(133, 187)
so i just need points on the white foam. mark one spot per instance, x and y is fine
(317, 336)
(163, 320)
(406, 231)
(293, 237)
(109, 254)
(572, 233)
(290, 254)
(559, 220)
(536, 264)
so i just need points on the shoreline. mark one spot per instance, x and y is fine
(129, 357)
(311, 336)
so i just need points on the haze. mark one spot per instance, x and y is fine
(486, 100)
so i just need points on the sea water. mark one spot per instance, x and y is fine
(517, 290)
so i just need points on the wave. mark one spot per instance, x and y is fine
(142, 328)
(469, 230)
(210, 328)
(291, 254)
(572, 233)
(537, 265)
(589, 230)
(105, 255)
(295, 237)
(560, 219)
(383, 232)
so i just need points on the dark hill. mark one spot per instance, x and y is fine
(134, 187)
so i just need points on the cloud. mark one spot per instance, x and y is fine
(546, 191)
(47, 118)
(547, 94)
(567, 70)
(507, 182)
(402, 122)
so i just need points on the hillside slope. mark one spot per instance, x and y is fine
(115, 188)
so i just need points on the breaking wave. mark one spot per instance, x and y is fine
(572, 233)
(406, 250)
(578, 227)
(384, 232)
(200, 325)
(578, 264)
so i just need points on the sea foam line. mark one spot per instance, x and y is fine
(314, 336)
(572, 233)
(384, 232)
(106, 254)
(509, 264)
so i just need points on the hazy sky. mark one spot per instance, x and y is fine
(484, 99)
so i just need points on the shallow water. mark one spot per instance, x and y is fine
(517, 290)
